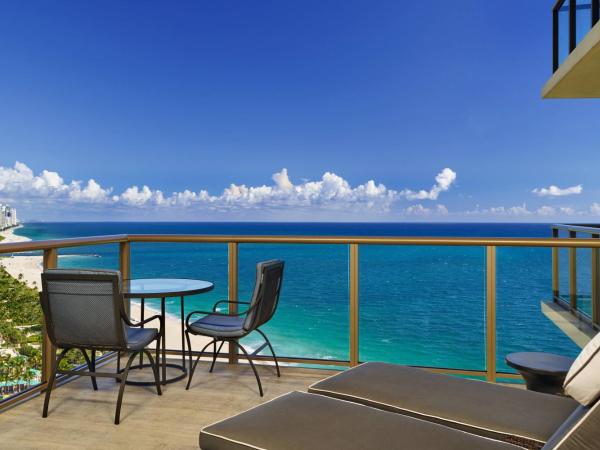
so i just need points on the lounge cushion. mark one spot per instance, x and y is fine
(485, 409)
(300, 421)
(582, 381)
(219, 325)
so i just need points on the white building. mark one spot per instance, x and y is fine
(8, 217)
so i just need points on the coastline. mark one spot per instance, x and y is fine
(30, 268)
(27, 266)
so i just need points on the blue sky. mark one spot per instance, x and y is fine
(198, 96)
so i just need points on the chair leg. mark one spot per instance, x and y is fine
(158, 355)
(193, 368)
(155, 370)
(90, 365)
(93, 358)
(51, 381)
(272, 351)
(118, 365)
(122, 388)
(189, 347)
(215, 355)
(251, 364)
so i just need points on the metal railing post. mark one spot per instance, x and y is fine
(50, 261)
(354, 317)
(595, 283)
(573, 273)
(232, 263)
(555, 268)
(125, 267)
(555, 39)
(490, 287)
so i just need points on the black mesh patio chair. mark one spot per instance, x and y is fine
(223, 327)
(84, 310)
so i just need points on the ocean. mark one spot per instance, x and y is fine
(418, 305)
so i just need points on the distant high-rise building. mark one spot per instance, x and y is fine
(8, 217)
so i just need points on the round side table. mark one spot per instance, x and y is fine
(543, 372)
(162, 288)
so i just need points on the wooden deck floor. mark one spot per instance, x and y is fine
(82, 418)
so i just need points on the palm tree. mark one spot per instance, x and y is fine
(18, 367)
(28, 375)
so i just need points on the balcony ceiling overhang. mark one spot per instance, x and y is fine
(579, 74)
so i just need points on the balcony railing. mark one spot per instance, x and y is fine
(571, 21)
(354, 246)
(582, 293)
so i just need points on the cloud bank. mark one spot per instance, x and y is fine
(331, 197)
(330, 192)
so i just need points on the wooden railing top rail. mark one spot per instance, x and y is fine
(30, 246)
(373, 240)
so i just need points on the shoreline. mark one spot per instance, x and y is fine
(27, 266)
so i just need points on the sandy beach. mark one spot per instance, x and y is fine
(30, 269)
(173, 329)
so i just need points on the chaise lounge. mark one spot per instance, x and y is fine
(379, 405)
(301, 421)
(486, 409)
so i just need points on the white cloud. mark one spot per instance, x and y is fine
(546, 211)
(442, 210)
(595, 209)
(522, 211)
(555, 191)
(134, 196)
(20, 180)
(92, 192)
(420, 210)
(417, 210)
(331, 192)
(518, 211)
(443, 181)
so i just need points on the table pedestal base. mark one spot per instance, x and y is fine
(543, 383)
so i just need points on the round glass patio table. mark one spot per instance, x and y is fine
(162, 288)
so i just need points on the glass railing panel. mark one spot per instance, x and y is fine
(563, 32)
(180, 260)
(584, 280)
(422, 305)
(105, 256)
(20, 323)
(584, 19)
(523, 281)
(312, 319)
(563, 273)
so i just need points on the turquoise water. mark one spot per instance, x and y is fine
(418, 305)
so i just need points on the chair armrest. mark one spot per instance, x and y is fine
(214, 313)
(149, 319)
(228, 302)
